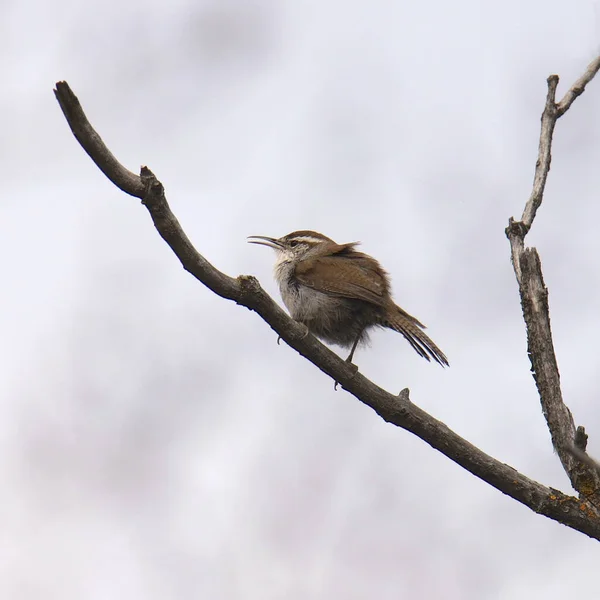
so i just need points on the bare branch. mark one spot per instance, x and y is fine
(91, 142)
(552, 112)
(578, 87)
(246, 291)
(542, 166)
(534, 301)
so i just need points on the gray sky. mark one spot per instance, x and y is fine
(155, 441)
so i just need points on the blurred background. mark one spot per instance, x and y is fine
(155, 441)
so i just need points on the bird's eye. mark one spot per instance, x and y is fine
(293, 243)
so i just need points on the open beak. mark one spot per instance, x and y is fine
(265, 241)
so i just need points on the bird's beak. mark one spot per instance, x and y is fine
(265, 241)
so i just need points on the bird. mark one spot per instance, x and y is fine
(339, 293)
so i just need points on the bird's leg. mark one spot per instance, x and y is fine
(349, 359)
(351, 355)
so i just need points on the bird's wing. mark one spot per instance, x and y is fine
(347, 274)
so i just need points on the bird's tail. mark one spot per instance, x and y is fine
(412, 330)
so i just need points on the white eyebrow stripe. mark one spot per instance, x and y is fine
(308, 238)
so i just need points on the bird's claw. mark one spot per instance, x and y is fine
(354, 372)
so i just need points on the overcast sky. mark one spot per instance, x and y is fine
(155, 441)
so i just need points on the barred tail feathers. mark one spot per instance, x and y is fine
(412, 330)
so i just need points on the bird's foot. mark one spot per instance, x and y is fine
(305, 331)
(354, 372)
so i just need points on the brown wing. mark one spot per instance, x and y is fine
(347, 274)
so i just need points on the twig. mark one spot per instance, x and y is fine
(549, 117)
(246, 291)
(578, 87)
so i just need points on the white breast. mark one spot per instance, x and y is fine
(303, 303)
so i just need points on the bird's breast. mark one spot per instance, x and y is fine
(303, 303)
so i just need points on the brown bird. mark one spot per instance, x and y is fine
(340, 293)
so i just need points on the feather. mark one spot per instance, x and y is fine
(360, 278)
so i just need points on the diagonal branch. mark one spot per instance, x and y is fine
(246, 291)
(90, 141)
(578, 87)
(534, 301)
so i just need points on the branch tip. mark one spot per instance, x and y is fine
(581, 438)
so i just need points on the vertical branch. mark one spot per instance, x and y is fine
(534, 299)
(542, 167)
